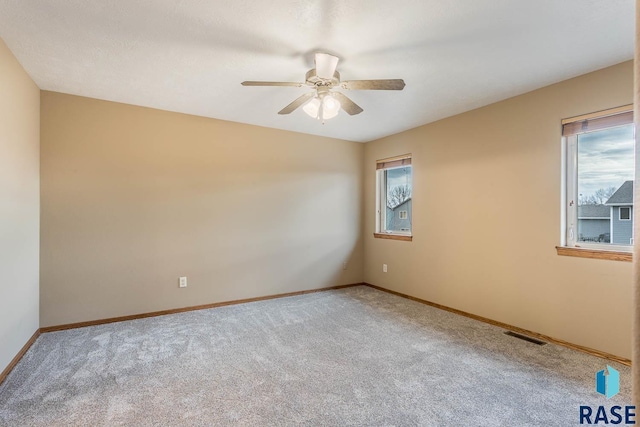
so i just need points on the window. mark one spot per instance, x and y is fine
(599, 170)
(625, 213)
(394, 198)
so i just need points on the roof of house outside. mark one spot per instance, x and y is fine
(594, 211)
(623, 195)
(401, 204)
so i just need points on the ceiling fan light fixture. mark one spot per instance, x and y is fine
(327, 105)
(330, 107)
(312, 107)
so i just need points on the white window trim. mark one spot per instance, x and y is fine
(620, 213)
(381, 212)
(611, 224)
(569, 202)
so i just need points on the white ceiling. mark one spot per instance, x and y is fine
(191, 55)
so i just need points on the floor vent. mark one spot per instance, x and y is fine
(525, 338)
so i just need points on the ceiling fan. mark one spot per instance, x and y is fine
(323, 103)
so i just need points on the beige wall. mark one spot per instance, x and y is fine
(19, 206)
(486, 209)
(133, 198)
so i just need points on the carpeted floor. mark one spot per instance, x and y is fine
(355, 356)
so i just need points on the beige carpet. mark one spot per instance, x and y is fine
(355, 356)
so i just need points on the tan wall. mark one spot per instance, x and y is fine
(486, 218)
(19, 206)
(133, 198)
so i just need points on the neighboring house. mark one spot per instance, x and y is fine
(621, 214)
(399, 218)
(594, 223)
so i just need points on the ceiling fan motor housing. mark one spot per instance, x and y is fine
(312, 79)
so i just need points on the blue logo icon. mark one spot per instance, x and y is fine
(608, 384)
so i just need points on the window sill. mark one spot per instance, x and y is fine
(391, 236)
(595, 254)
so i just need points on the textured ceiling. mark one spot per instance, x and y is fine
(190, 56)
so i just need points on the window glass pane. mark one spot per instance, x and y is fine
(625, 213)
(398, 198)
(605, 185)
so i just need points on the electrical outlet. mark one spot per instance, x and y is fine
(384, 268)
(344, 265)
(183, 282)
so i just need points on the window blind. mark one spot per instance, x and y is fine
(394, 162)
(582, 125)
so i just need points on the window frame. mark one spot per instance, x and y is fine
(620, 213)
(381, 197)
(569, 244)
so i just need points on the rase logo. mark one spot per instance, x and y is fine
(608, 385)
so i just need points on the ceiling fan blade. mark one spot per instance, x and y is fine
(297, 103)
(346, 104)
(391, 84)
(249, 83)
(326, 65)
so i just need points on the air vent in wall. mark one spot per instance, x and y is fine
(525, 338)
